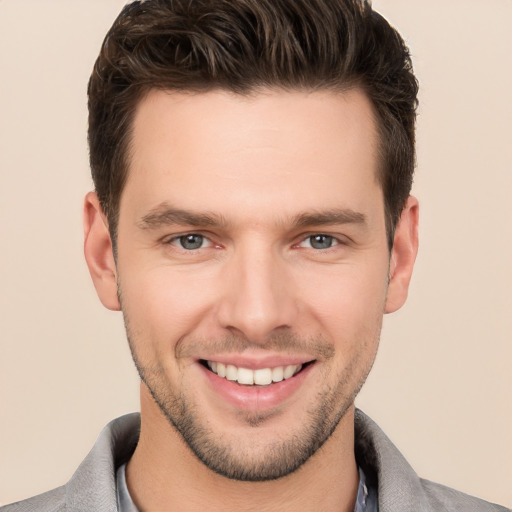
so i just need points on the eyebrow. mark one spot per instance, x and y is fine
(329, 217)
(165, 215)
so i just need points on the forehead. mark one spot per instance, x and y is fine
(227, 119)
(267, 148)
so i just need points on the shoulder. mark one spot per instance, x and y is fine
(399, 487)
(450, 500)
(92, 487)
(51, 501)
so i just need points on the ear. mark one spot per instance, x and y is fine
(403, 255)
(98, 252)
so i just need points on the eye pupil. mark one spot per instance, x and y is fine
(321, 241)
(191, 242)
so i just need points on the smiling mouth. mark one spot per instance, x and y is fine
(259, 377)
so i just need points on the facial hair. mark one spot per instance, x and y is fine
(242, 460)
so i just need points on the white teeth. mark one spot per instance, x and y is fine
(231, 372)
(289, 371)
(245, 376)
(277, 374)
(263, 377)
(260, 377)
(221, 370)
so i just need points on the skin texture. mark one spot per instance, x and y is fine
(254, 178)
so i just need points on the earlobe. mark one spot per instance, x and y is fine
(98, 252)
(403, 255)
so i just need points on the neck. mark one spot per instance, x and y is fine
(164, 474)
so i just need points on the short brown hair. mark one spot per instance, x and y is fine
(243, 45)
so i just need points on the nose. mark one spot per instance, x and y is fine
(259, 296)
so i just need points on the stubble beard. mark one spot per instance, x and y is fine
(237, 461)
(241, 461)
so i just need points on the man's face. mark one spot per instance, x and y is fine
(252, 242)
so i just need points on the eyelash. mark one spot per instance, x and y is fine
(335, 241)
(175, 240)
(178, 241)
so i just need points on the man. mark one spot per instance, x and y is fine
(252, 219)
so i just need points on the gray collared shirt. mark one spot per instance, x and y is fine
(366, 500)
(93, 485)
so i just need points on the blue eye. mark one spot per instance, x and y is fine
(191, 242)
(320, 241)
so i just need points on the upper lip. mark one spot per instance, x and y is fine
(255, 363)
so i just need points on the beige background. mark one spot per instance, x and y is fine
(442, 384)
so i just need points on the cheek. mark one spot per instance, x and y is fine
(347, 302)
(161, 305)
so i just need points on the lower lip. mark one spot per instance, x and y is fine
(256, 397)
